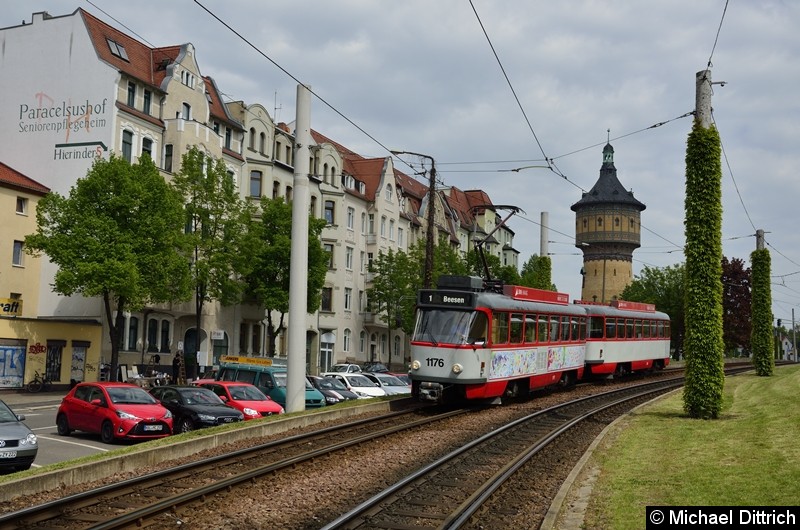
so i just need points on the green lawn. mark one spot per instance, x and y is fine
(749, 456)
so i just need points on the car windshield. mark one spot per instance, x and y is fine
(280, 379)
(390, 380)
(340, 368)
(246, 393)
(199, 396)
(130, 395)
(6, 414)
(360, 381)
(329, 383)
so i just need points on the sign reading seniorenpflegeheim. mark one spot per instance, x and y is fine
(58, 108)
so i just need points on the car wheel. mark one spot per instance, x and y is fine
(185, 425)
(107, 433)
(62, 424)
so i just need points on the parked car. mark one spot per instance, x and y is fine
(333, 389)
(247, 398)
(269, 378)
(374, 367)
(404, 377)
(20, 445)
(345, 368)
(358, 383)
(390, 384)
(194, 407)
(115, 411)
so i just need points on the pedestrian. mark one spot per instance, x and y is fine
(176, 368)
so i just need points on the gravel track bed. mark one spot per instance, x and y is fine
(316, 493)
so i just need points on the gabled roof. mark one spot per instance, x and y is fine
(11, 178)
(217, 109)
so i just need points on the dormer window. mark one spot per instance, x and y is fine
(117, 50)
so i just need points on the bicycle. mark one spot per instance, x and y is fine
(38, 383)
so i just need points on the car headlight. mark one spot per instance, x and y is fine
(250, 412)
(168, 414)
(331, 399)
(126, 415)
(29, 440)
(206, 417)
(362, 394)
(337, 395)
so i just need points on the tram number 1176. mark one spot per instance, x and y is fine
(434, 362)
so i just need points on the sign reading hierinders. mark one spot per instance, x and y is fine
(706, 517)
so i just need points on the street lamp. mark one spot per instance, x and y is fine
(428, 281)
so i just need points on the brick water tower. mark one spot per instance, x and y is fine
(607, 230)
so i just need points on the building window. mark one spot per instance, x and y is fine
(400, 237)
(117, 49)
(228, 133)
(133, 333)
(363, 223)
(252, 144)
(362, 341)
(165, 333)
(168, 158)
(371, 224)
(262, 144)
(351, 217)
(288, 194)
(599, 221)
(148, 100)
(255, 340)
(348, 299)
(327, 299)
(348, 258)
(388, 193)
(131, 94)
(329, 210)
(363, 261)
(383, 226)
(18, 254)
(346, 340)
(312, 207)
(147, 147)
(391, 230)
(127, 145)
(397, 351)
(22, 205)
(328, 247)
(255, 184)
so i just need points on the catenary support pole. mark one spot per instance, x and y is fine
(298, 279)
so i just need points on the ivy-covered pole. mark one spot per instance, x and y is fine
(761, 309)
(704, 345)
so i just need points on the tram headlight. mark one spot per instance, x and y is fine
(457, 368)
(415, 365)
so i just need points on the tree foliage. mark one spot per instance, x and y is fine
(118, 235)
(664, 287)
(268, 250)
(214, 214)
(392, 295)
(736, 304)
(761, 337)
(537, 272)
(702, 396)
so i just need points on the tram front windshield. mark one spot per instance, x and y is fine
(446, 326)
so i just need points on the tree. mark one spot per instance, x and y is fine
(446, 260)
(214, 213)
(705, 378)
(118, 236)
(393, 291)
(269, 252)
(736, 304)
(537, 273)
(761, 337)
(664, 287)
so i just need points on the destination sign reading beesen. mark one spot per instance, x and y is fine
(446, 298)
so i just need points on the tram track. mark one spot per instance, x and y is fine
(132, 502)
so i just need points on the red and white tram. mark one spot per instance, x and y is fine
(474, 341)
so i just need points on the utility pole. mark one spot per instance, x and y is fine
(428, 279)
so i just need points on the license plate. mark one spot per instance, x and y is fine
(8, 454)
(152, 427)
(228, 420)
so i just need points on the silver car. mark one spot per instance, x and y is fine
(18, 444)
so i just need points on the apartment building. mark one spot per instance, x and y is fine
(93, 89)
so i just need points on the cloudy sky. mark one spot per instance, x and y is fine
(486, 87)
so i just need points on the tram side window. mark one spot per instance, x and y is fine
(542, 325)
(565, 328)
(611, 328)
(582, 327)
(477, 329)
(629, 332)
(575, 333)
(500, 328)
(638, 325)
(595, 327)
(530, 328)
(516, 328)
(620, 328)
(653, 328)
(553, 328)
(646, 329)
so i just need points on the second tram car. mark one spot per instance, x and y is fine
(477, 341)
